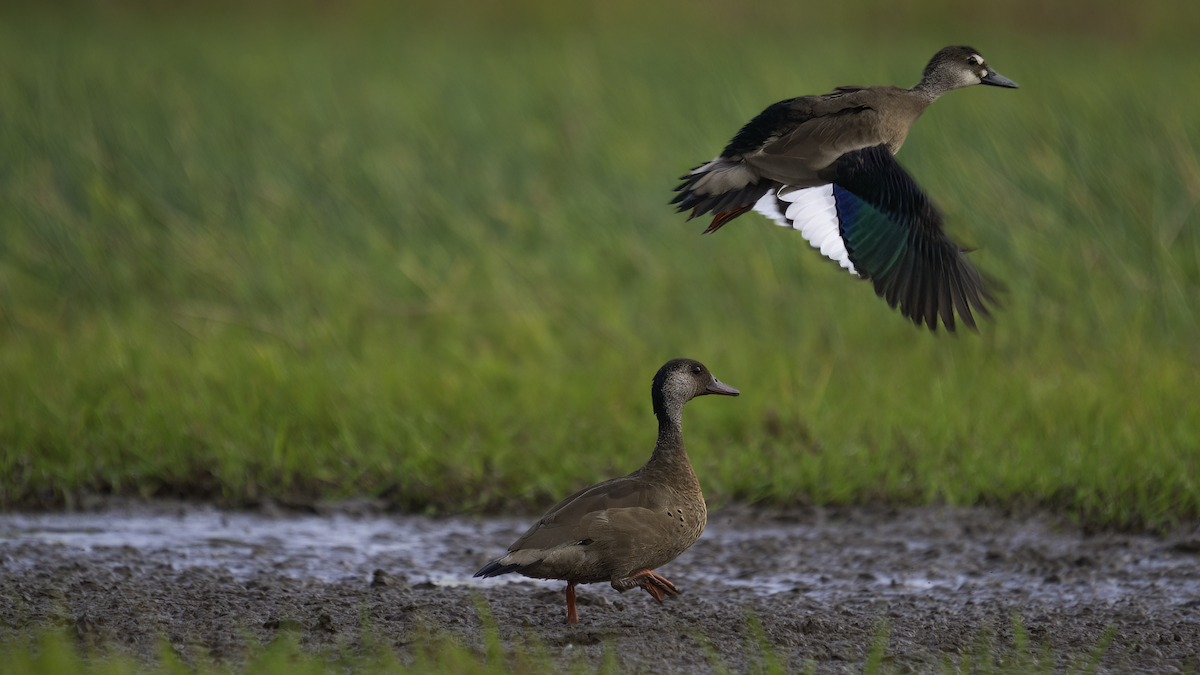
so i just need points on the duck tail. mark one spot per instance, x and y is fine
(724, 187)
(495, 569)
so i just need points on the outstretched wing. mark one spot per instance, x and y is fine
(874, 220)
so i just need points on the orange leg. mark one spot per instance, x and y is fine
(726, 216)
(572, 616)
(656, 586)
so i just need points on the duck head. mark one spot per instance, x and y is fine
(960, 66)
(681, 380)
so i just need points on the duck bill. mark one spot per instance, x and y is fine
(997, 80)
(716, 387)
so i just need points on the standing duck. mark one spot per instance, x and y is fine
(620, 530)
(823, 165)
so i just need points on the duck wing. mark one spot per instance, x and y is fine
(591, 535)
(874, 220)
(576, 517)
(834, 124)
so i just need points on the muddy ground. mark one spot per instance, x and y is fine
(819, 580)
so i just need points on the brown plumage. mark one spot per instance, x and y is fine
(846, 138)
(620, 530)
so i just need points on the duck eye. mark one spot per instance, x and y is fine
(696, 369)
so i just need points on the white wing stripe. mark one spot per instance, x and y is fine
(812, 211)
(767, 206)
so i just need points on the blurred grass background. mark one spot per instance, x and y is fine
(423, 252)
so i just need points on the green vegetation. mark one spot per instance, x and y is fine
(425, 254)
(54, 653)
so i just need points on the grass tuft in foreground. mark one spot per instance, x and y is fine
(56, 653)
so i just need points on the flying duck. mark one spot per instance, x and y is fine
(823, 165)
(620, 530)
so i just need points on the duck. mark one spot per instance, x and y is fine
(824, 165)
(624, 528)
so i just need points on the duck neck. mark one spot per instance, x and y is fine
(670, 456)
(927, 91)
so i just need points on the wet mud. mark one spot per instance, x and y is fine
(820, 581)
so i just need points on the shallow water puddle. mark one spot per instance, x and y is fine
(328, 548)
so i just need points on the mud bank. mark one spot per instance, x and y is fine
(820, 581)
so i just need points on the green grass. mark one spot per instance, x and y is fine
(57, 653)
(427, 256)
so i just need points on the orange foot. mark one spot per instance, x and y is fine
(656, 586)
